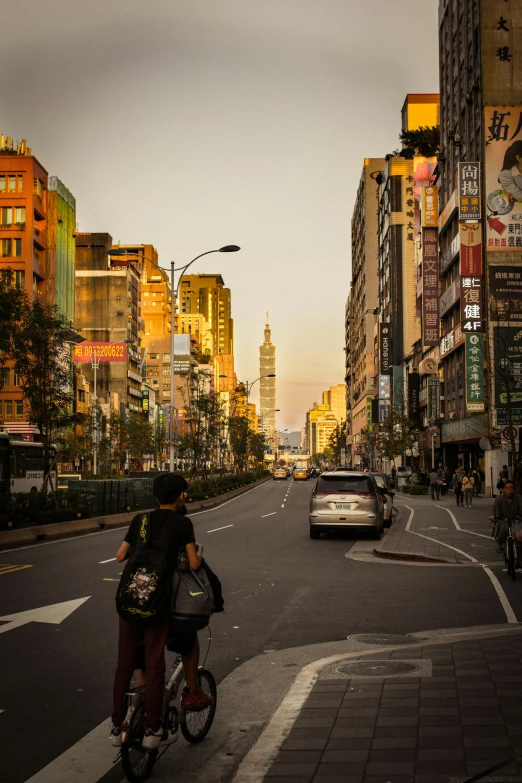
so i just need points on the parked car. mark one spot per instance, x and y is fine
(301, 474)
(387, 496)
(346, 500)
(280, 473)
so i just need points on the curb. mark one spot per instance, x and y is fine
(28, 536)
(387, 555)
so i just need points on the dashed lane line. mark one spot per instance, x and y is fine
(269, 515)
(110, 560)
(215, 530)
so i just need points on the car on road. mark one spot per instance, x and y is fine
(346, 500)
(387, 496)
(301, 474)
(280, 473)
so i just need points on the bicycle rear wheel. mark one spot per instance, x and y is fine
(196, 725)
(510, 546)
(137, 763)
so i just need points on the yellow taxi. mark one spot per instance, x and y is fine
(280, 473)
(301, 474)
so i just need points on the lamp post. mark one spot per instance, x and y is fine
(182, 270)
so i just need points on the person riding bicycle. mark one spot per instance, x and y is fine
(169, 491)
(507, 505)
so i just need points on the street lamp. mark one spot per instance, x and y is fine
(182, 270)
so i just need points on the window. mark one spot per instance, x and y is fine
(17, 248)
(345, 484)
(166, 358)
(2, 183)
(19, 409)
(12, 184)
(16, 377)
(19, 279)
(5, 248)
(8, 409)
(20, 183)
(19, 215)
(153, 355)
(6, 216)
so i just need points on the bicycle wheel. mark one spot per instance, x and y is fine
(196, 725)
(137, 763)
(510, 546)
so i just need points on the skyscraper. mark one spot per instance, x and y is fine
(267, 400)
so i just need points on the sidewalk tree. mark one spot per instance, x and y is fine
(337, 442)
(397, 435)
(204, 419)
(257, 446)
(13, 305)
(369, 445)
(140, 439)
(42, 356)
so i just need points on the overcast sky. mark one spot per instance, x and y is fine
(196, 123)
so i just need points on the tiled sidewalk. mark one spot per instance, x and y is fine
(437, 529)
(460, 721)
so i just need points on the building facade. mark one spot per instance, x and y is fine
(206, 295)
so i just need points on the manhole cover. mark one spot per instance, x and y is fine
(384, 638)
(377, 668)
(364, 670)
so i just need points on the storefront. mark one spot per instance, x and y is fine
(460, 443)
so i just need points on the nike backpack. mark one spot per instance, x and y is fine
(144, 591)
(192, 598)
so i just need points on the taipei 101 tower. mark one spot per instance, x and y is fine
(267, 402)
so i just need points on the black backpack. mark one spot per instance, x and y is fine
(145, 588)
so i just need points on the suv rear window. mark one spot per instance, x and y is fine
(345, 484)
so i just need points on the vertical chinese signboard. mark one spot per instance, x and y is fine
(385, 348)
(471, 314)
(430, 286)
(475, 372)
(507, 357)
(503, 196)
(471, 248)
(414, 410)
(145, 403)
(429, 207)
(433, 397)
(369, 417)
(469, 191)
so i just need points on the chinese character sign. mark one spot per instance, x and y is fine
(475, 372)
(434, 397)
(503, 197)
(384, 387)
(470, 248)
(430, 207)
(101, 352)
(369, 417)
(505, 293)
(430, 286)
(471, 313)
(507, 353)
(469, 191)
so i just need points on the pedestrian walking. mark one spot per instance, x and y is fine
(443, 482)
(457, 486)
(468, 483)
(477, 482)
(434, 485)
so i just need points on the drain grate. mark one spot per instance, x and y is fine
(365, 670)
(384, 638)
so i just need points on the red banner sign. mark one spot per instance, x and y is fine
(471, 249)
(102, 352)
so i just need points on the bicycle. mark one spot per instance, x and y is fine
(509, 552)
(137, 761)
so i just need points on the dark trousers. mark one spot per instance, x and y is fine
(435, 490)
(154, 638)
(458, 495)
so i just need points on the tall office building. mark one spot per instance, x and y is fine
(267, 392)
(481, 123)
(206, 294)
(335, 398)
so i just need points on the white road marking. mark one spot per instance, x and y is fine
(471, 532)
(282, 505)
(54, 614)
(269, 515)
(110, 560)
(436, 540)
(510, 614)
(219, 528)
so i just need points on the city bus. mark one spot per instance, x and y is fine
(22, 465)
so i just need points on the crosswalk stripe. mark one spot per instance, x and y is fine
(8, 569)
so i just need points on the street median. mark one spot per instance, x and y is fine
(36, 534)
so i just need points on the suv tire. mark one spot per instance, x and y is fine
(314, 533)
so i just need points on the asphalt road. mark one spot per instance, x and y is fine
(282, 590)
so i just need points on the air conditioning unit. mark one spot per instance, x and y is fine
(119, 312)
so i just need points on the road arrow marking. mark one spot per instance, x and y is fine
(54, 614)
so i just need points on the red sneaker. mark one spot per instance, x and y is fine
(195, 699)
